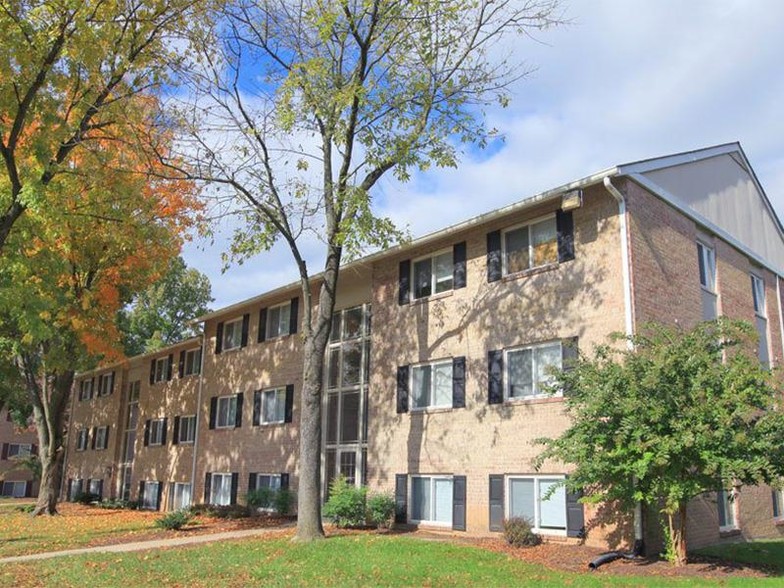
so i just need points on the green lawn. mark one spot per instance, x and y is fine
(353, 560)
(769, 553)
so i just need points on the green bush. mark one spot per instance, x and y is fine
(261, 498)
(86, 498)
(381, 510)
(228, 511)
(518, 532)
(118, 503)
(346, 504)
(26, 508)
(283, 501)
(175, 520)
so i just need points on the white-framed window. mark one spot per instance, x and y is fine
(187, 432)
(433, 274)
(95, 486)
(760, 318)
(81, 439)
(192, 362)
(150, 498)
(432, 499)
(156, 431)
(86, 389)
(220, 489)
(161, 369)
(706, 258)
(273, 406)
(527, 369)
(101, 437)
(529, 246)
(278, 320)
(431, 385)
(180, 496)
(727, 505)
(271, 481)
(226, 416)
(106, 384)
(14, 489)
(232, 334)
(778, 504)
(540, 499)
(19, 449)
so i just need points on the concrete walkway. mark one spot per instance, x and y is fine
(141, 545)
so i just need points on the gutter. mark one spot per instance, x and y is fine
(198, 416)
(629, 320)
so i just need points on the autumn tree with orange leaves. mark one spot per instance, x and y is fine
(64, 277)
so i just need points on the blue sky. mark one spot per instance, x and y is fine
(627, 80)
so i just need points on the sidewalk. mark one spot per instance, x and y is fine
(140, 545)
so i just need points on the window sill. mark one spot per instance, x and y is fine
(530, 272)
(430, 410)
(184, 442)
(270, 424)
(432, 297)
(534, 400)
(779, 522)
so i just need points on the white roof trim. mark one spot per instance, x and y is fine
(655, 163)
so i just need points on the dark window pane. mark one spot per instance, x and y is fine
(349, 430)
(352, 323)
(332, 418)
(334, 367)
(352, 358)
(423, 278)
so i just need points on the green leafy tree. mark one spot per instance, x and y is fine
(303, 106)
(676, 414)
(162, 314)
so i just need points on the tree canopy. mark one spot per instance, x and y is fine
(161, 315)
(680, 413)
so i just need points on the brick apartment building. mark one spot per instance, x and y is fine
(438, 353)
(16, 443)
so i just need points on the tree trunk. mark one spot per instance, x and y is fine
(678, 535)
(51, 475)
(309, 527)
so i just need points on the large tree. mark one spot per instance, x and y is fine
(680, 413)
(74, 73)
(305, 105)
(163, 313)
(63, 278)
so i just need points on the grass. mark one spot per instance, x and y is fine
(21, 534)
(352, 560)
(769, 553)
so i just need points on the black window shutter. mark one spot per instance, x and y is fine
(245, 327)
(100, 490)
(111, 390)
(262, 334)
(213, 411)
(207, 484)
(141, 492)
(94, 437)
(4, 454)
(402, 389)
(70, 485)
(34, 449)
(152, 372)
(252, 481)
(294, 315)
(495, 376)
(569, 353)
(164, 426)
(182, 364)
(494, 265)
(289, 412)
(100, 382)
(458, 382)
(459, 278)
(238, 414)
(235, 479)
(176, 432)
(564, 226)
(776, 512)
(169, 367)
(219, 339)
(28, 489)
(575, 515)
(284, 481)
(496, 503)
(404, 282)
(257, 407)
(93, 391)
(458, 503)
(401, 498)
(146, 432)
(160, 495)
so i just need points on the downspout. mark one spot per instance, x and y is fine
(781, 316)
(629, 319)
(198, 414)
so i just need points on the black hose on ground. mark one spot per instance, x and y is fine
(613, 555)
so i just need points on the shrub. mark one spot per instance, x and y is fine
(86, 498)
(381, 510)
(261, 498)
(283, 501)
(118, 503)
(518, 532)
(172, 521)
(228, 511)
(26, 508)
(346, 504)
